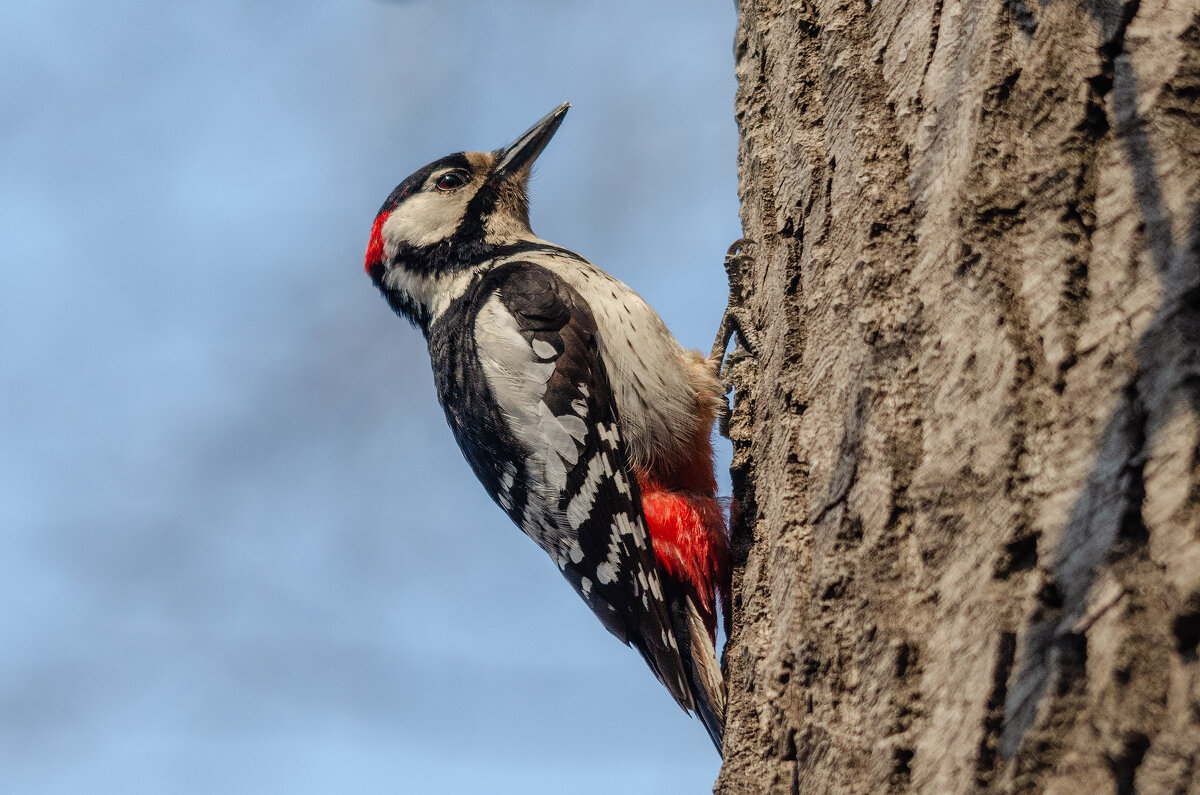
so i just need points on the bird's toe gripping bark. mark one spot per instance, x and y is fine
(736, 320)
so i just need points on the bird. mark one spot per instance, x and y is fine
(583, 417)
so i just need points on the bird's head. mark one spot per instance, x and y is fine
(449, 215)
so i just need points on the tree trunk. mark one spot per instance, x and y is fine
(967, 459)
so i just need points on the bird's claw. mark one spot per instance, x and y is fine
(736, 320)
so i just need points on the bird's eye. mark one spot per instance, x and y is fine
(450, 181)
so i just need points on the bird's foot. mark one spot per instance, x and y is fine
(736, 320)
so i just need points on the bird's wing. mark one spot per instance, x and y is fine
(575, 493)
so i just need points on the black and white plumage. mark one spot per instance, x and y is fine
(534, 415)
(563, 389)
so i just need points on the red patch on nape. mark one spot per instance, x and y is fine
(375, 246)
(690, 541)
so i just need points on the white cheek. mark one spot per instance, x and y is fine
(426, 218)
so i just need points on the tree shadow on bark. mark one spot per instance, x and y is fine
(1106, 521)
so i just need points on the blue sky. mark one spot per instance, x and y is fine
(239, 551)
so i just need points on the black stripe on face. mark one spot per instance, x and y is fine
(481, 207)
(414, 182)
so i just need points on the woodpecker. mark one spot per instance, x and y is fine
(583, 417)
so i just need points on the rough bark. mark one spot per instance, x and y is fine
(967, 460)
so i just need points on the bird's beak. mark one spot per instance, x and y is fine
(523, 151)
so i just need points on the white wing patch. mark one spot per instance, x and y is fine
(606, 572)
(518, 380)
(564, 437)
(580, 506)
(544, 350)
(609, 434)
(506, 484)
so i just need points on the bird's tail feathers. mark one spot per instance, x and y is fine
(704, 672)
